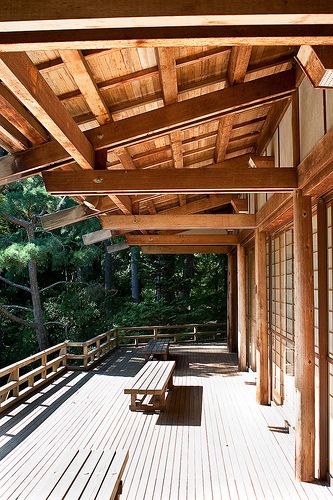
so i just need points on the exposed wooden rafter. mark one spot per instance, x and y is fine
(20, 75)
(165, 221)
(189, 249)
(157, 122)
(183, 239)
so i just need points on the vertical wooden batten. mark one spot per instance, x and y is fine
(322, 340)
(232, 303)
(262, 393)
(241, 274)
(304, 339)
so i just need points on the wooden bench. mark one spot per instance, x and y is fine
(154, 378)
(83, 474)
(156, 348)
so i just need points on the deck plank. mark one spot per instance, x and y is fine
(212, 442)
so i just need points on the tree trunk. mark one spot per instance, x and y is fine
(188, 274)
(41, 334)
(135, 284)
(107, 267)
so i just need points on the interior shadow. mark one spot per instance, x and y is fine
(184, 406)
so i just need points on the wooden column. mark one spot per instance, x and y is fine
(323, 340)
(232, 303)
(261, 318)
(304, 339)
(241, 272)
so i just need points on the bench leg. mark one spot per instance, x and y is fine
(160, 403)
(133, 405)
(170, 383)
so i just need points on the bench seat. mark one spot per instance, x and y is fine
(154, 379)
(83, 474)
(156, 348)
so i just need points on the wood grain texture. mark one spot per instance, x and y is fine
(304, 339)
(210, 180)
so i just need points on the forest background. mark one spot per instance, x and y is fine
(53, 287)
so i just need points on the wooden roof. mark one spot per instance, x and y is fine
(139, 88)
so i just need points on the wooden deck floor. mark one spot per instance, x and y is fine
(212, 443)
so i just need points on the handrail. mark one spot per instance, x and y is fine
(18, 385)
(45, 365)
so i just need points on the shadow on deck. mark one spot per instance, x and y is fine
(212, 442)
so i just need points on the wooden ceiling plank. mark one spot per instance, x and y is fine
(80, 72)
(196, 181)
(165, 221)
(189, 249)
(20, 75)
(182, 239)
(159, 122)
(117, 14)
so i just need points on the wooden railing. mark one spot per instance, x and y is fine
(20, 379)
(85, 354)
(173, 332)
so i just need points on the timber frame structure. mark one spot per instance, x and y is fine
(202, 131)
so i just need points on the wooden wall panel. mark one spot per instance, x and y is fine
(329, 108)
(286, 140)
(311, 112)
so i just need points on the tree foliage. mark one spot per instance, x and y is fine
(83, 290)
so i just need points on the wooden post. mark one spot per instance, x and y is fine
(241, 265)
(261, 318)
(232, 303)
(304, 339)
(323, 340)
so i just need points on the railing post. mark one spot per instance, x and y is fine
(85, 353)
(195, 331)
(15, 376)
(43, 362)
(155, 332)
(116, 335)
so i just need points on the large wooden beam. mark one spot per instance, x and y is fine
(241, 320)
(118, 14)
(189, 249)
(232, 303)
(262, 389)
(182, 239)
(317, 63)
(80, 72)
(21, 76)
(193, 181)
(164, 221)
(183, 36)
(304, 339)
(158, 122)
